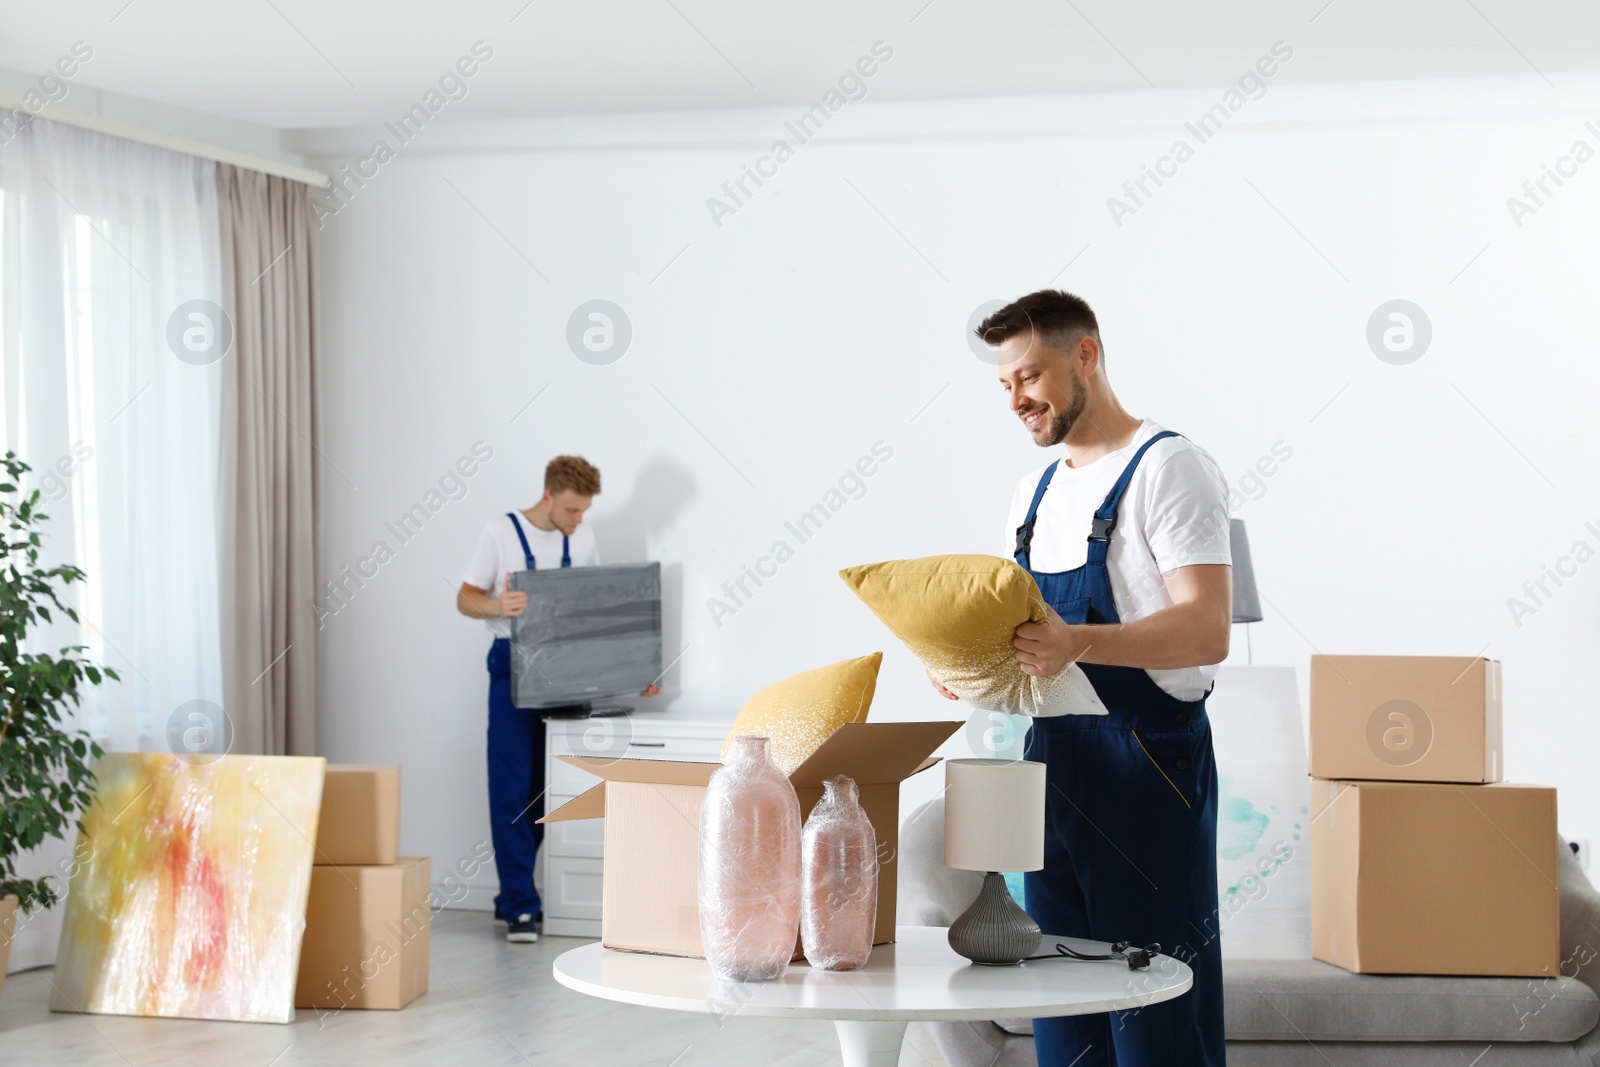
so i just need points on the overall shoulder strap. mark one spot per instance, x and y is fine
(1025, 531)
(566, 552)
(1105, 517)
(527, 553)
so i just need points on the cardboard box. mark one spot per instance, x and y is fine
(8, 931)
(650, 900)
(366, 939)
(1406, 718)
(1426, 878)
(360, 822)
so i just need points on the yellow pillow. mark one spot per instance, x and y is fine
(958, 615)
(800, 713)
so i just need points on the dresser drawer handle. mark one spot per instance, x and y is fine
(647, 744)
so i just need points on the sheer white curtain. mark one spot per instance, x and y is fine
(101, 241)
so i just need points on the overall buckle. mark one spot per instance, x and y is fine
(1100, 529)
(1024, 539)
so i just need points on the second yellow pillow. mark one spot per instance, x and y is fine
(801, 712)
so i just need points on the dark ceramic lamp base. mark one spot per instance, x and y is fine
(994, 931)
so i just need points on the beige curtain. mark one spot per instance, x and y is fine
(269, 463)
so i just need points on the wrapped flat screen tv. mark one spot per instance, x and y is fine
(587, 634)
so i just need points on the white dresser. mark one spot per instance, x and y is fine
(571, 857)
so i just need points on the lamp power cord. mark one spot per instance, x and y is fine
(1137, 959)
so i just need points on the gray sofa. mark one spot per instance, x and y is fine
(1289, 1013)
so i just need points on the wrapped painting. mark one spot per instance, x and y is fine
(1263, 815)
(189, 899)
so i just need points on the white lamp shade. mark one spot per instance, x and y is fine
(993, 815)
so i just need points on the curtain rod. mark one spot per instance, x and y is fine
(130, 132)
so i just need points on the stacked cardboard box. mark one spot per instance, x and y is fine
(367, 917)
(1423, 861)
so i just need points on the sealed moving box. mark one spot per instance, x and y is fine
(1426, 878)
(650, 900)
(360, 821)
(1406, 718)
(366, 939)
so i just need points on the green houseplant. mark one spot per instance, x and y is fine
(45, 775)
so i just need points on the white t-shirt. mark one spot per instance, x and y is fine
(1173, 514)
(499, 551)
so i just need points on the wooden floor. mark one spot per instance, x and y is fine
(488, 1003)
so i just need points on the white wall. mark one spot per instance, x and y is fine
(808, 326)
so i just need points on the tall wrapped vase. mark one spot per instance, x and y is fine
(749, 865)
(839, 880)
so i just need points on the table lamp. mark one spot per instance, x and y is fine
(1246, 598)
(994, 822)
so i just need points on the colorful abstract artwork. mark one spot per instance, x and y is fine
(189, 899)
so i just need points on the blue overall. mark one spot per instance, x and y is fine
(516, 773)
(1130, 831)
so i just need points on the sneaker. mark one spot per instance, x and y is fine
(523, 930)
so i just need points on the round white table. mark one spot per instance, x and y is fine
(919, 977)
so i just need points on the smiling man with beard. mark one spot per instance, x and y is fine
(1126, 534)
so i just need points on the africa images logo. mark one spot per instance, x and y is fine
(451, 87)
(851, 86)
(1399, 733)
(1251, 86)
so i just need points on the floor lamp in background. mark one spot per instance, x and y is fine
(1246, 601)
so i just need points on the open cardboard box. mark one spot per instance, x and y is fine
(650, 901)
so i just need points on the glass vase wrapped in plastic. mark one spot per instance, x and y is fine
(839, 877)
(749, 865)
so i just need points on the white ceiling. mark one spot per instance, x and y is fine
(322, 63)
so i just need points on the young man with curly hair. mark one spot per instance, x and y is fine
(551, 533)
